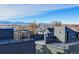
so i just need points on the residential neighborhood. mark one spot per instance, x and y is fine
(57, 39)
(39, 29)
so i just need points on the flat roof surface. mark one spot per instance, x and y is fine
(63, 45)
(58, 45)
(40, 42)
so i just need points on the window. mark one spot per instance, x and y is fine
(67, 36)
(77, 35)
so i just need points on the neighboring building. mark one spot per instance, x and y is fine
(6, 33)
(65, 34)
(9, 45)
(22, 34)
(40, 29)
(49, 32)
(62, 40)
(49, 35)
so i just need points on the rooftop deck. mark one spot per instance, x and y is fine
(40, 42)
(58, 45)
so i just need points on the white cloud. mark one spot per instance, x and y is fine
(20, 10)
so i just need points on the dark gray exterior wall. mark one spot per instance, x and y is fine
(26, 47)
(6, 34)
(72, 35)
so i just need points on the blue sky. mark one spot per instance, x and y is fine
(42, 13)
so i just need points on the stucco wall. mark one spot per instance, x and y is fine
(59, 32)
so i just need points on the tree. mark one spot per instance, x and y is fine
(57, 23)
(33, 26)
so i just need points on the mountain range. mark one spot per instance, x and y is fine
(16, 23)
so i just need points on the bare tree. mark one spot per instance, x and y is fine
(33, 27)
(57, 23)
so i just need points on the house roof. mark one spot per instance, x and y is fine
(74, 27)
